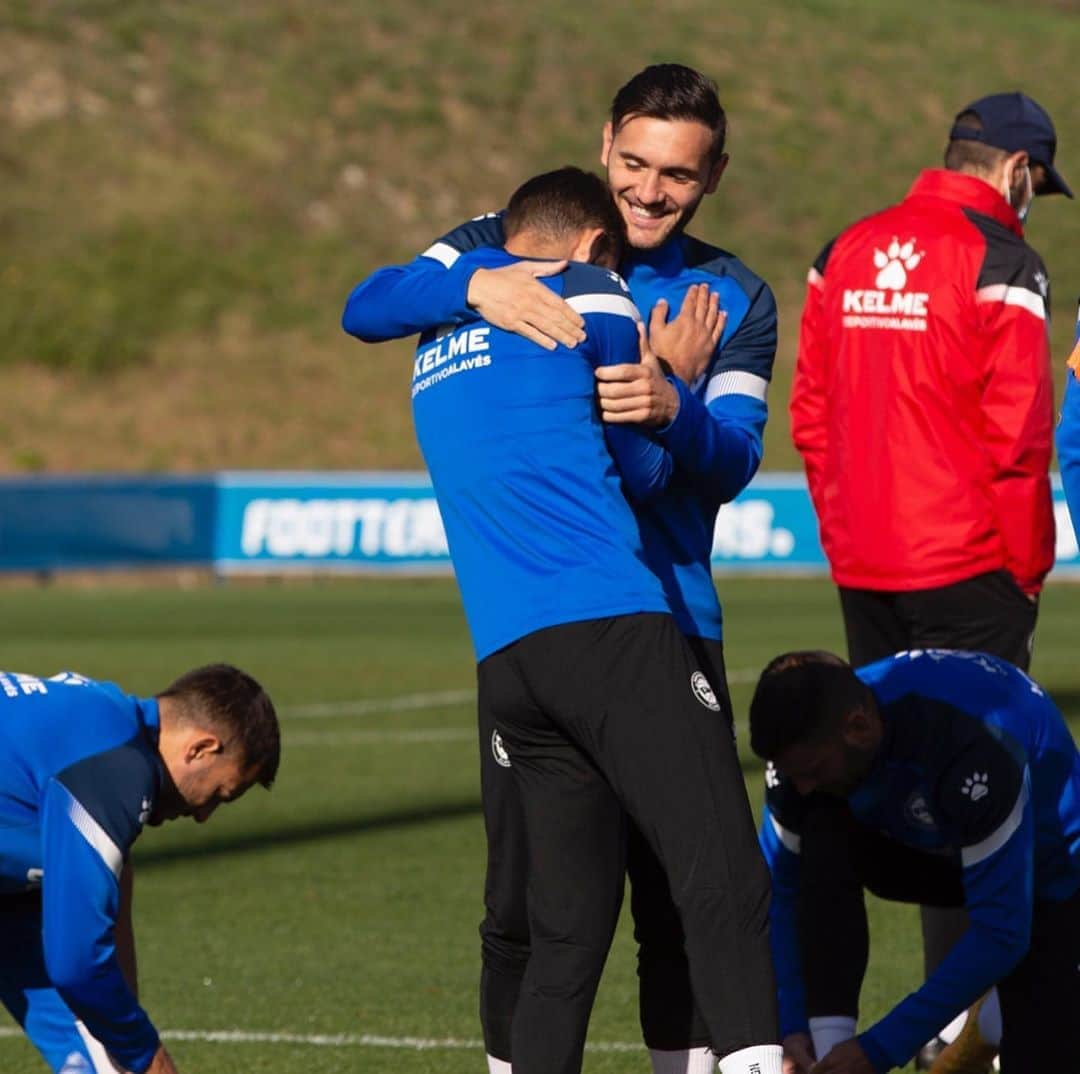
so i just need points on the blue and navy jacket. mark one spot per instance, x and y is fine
(715, 440)
(79, 775)
(539, 530)
(1068, 435)
(977, 764)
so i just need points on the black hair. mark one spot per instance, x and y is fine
(801, 697)
(566, 202)
(672, 91)
(230, 701)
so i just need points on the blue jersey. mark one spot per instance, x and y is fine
(539, 529)
(715, 440)
(976, 763)
(1068, 440)
(79, 775)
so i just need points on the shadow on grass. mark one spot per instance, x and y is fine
(337, 828)
(303, 834)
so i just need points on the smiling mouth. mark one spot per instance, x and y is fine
(641, 214)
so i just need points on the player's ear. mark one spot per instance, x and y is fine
(858, 729)
(592, 247)
(605, 147)
(715, 172)
(203, 746)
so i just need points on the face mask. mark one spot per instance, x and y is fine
(1024, 207)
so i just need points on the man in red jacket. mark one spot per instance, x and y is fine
(922, 403)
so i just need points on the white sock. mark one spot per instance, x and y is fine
(761, 1059)
(828, 1032)
(684, 1061)
(498, 1066)
(990, 1018)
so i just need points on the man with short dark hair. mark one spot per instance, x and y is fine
(922, 406)
(590, 698)
(940, 777)
(83, 766)
(664, 150)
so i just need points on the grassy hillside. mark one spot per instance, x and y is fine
(190, 189)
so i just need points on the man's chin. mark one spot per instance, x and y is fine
(648, 237)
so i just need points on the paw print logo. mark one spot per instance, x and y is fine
(894, 263)
(976, 786)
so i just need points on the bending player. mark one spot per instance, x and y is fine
(83, 766)
(937, 777)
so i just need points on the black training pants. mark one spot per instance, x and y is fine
(670, 1019)
(599, 718)
(988, 614)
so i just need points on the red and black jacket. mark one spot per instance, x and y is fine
(922, 403)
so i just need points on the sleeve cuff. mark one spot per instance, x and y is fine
(879, 1060)
(683, 393)
(458, 277)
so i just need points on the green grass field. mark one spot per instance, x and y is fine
(344, 904)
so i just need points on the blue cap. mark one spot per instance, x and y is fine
(1013, 121)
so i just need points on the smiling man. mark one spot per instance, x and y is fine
(83, 767)
(664, 149)
(938, 777)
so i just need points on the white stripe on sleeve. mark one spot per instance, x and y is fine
(790, 840)
(442, 252)
(1032, 301)
(616, 304)
(736, 382)
(95, 835)
(101, 1059)
(1000, 836)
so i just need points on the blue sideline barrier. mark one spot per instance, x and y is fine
(282, 522)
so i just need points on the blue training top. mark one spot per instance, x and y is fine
(1068, 440)
(977, 763)
(538, 527)
(79, 775)
(715, 440)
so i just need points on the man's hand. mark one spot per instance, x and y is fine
(511, 298)
(161, 1063)
(798, 1053)
(846, 1058)
(688, 342)
(637, 394)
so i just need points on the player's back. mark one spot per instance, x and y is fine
(47, 727)
(539, 529)
(969, 711)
